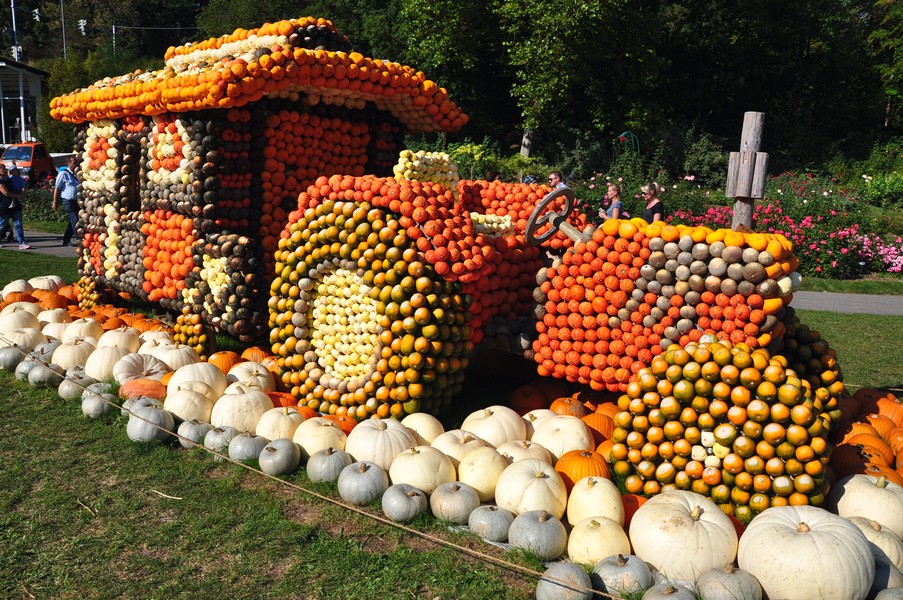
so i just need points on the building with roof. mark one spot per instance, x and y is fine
(21, 92)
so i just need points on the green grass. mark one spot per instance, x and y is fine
(22, 265)
(81, 514)
(877, 284)
(57, 227)
(866, 346)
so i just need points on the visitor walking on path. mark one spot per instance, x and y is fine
(11, 207)
(66, 188)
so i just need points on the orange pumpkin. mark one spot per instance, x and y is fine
(281, 399)
(344, 422)
(165, 379)
(882, 424)
(601, 425)
(894, 439)
(255, 353)
(143, 387)
(577, 464)
(873, 441)
(886, 472)
(608, 408)
(569, 405)
(868, 399)
(858, 429)
(890, 406)
(631, 503)
(551, 388)
(224, 360)
(18, 297)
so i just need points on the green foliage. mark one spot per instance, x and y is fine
(885, 189)
(887, 39)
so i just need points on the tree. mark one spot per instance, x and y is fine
(887, 39)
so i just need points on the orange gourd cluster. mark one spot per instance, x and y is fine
(617, 300)
(167, 254)
(870, 436)
(234, 70)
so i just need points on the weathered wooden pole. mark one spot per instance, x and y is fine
(746, 170)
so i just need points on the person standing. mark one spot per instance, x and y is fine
(11, 207)
(555, 180)
(66, 189)
(615, 208)
(655, 207)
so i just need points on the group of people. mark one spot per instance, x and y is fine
(654, 209)
(11, 188)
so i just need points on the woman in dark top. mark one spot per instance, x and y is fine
(655, 208)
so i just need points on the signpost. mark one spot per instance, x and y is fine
(746, 170)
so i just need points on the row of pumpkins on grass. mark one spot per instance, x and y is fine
(535, 481)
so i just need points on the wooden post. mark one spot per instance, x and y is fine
(746, 170)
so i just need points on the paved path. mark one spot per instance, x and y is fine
(849, 303)
(42, 243)
(50, 243)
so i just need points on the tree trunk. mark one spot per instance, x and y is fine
(526, 143)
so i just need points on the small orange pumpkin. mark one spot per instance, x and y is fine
(224, 360)
(344, 422)
(143, 387)
(255, 353)
(569, 405)
(577, 464)
(601, 425)
(526, 398)
(882, 424)
(632, 503)
(281, 399)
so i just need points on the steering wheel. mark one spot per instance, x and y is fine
(536, 222)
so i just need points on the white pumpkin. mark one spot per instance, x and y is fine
(317, 434)
(423, 467)
(456, 443)
(176, 355)
(252, 374)
(595, 497)
(532, 417)
(101, 362)
(869, 497)
(187, 405)
(480, 469)
(531, 484)
(54, 330)
(24, 338)
(280, 422)
(425, 426)
(379, 441)
(496, 425)
(885, 544)
(51, 283)
(199, 387)
(517, 450)
(597, 538)
(805, 552)
(54, 315)
(72, 354)
(85, 328)
(139, 366)
(124, 337)
(241, 410)
(14, 307)
(561, 434)
(683, 534)
(155, 336)
(20, 319)
(199, 371)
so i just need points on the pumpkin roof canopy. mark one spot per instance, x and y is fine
(297, 58)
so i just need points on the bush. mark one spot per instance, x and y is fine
(36, 203)
(884, 189)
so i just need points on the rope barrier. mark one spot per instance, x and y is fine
(486, 558)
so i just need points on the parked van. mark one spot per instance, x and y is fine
(32, 158)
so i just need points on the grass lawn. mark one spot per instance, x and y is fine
(877, 284)
(85, 512)
(25, 265)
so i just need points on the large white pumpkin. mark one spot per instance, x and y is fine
(101, 362)
(496, 425)
(886, 545)
(24, 338)
(187, 405)
(176, 355)
(280, 422)
(456, 443)
(241, 410)
(51, 283)
(20, 319)
(124, 337)
(72, 354)
(561, 434)
(17, 285)
(29, 307)
(806, 552)
(139, 366)
(317, 434)
(54, 330)
(683, 534)
(517, 450)
(869, 497)
(199, 371)
(54, 315)
(86, 328)
(425, 426)
(531, 484)
(480, 469)
(252, 374)
(532, 417)
(596, 538)
(595, 497)
(424, 467)
(379, 441)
